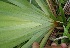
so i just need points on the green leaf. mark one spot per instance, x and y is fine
(62, 12)
(45, 8)
(25, 4)
(65, 31)
(61, 1)
(43, 42)
(59, 18)
(42, 4)
(18, 25)
(4, 0)
(36, 38)
(34, 3)
(68, 28)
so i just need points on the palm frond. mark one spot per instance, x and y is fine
(21, 21)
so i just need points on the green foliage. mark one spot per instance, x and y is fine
(62, 11)
(25, 22)
(43, 42)
(68, 29)
(45, 8)
(66, 33)
(21, 21)
(36, 38)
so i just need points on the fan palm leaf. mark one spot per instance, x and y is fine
(21, 21)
